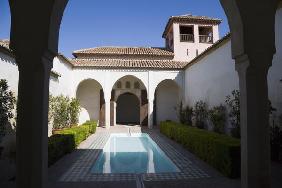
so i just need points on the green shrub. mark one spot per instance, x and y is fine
(92, 126)
(200, 114)
(220, 151)
(63, 111)
(58, 146)
(185, 114)
(74, 110)
(66, 140)
(7, 104)
(218, 117)
(233, 102)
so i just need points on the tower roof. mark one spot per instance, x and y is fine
(189, 18)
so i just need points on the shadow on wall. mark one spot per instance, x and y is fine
(88, 94)
(167, 99)
(128, 109)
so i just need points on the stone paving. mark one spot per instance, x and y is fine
(80, 169)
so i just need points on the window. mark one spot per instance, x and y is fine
(197, 52)
(127, 85)
(186, 33)
(136, 85)
(187, 52)
(205, 34)
(119, 85)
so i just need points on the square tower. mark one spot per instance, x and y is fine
(188, 36)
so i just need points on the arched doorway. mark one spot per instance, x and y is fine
(129, 91)
(167, 99)
(128, 109)
(91, 99)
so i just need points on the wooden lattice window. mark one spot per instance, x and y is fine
(127, 85)
(119, 85)
(136, 85)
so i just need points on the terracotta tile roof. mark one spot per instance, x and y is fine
(5, 43)
(190, 19)
(4, 47)
(124, 51)
(120, 63)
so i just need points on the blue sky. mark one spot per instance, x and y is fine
(91, 23)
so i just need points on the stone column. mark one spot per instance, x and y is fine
(32, 119)
(113, 113)
(196, 34)
(150, 113)
(255, 142)
(253, 55)
(107, 113)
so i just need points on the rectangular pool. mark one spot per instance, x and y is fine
(135, 153)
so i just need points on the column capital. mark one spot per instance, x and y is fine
(259, 63)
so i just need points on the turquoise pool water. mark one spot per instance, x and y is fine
(135, 153)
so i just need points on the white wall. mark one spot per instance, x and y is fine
(9, 71)
(63, 85)
(212, 78)
(180, 48)
(275, 72)
(167, 101)
(88, 94)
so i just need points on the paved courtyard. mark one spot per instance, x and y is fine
(75, 169)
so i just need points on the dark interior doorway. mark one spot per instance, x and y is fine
(128, 109)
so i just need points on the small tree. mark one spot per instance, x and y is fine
(7, 104)
(233, 102)
(185, 114)
(63, 111)
(74, 110)
(200, 114)
(218, 117)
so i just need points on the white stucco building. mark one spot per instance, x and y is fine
(136, 85)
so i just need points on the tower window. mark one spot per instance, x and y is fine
(187, 52)
(205, 34)
(186, 33)
(197, 52)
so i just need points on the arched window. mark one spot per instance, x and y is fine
(119, 85)
(127, 85)
(136, 85)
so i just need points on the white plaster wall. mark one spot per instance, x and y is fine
(88, 94)
(212, 78)
(9, 71)
(108, 77)
(64, 83)
(167, 101)
(180, 48)
(275, 72)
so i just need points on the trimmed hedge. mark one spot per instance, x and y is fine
(66, 140)
(220, 151)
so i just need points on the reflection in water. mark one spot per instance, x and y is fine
(132, 154)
